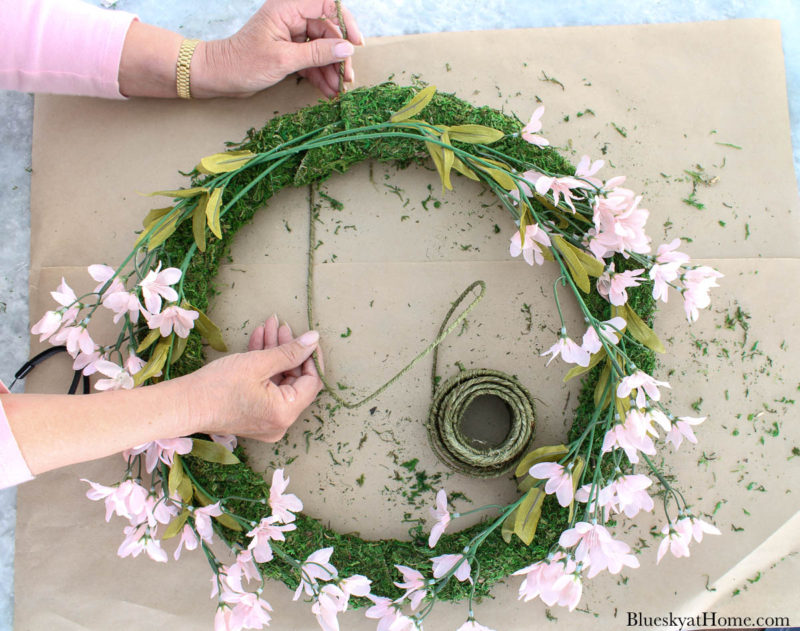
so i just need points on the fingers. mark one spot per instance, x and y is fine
(265, 335)
(285, 336)
(288, 356)
(301, 393)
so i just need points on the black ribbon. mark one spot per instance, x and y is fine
(43, 356)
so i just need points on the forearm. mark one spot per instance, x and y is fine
(147, 64)
(58, 430)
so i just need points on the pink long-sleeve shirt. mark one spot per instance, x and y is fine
(13, 468)
(62, 47)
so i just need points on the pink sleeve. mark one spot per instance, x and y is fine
(62, 47)
(13, 469)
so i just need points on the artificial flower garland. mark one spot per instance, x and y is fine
(191, 488)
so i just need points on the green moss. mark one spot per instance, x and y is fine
(375, 559)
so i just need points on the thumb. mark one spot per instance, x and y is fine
(318, 52)
(288, 356)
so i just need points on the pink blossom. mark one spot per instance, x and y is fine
(442, 517)
(618, 224)
(629, 437)
(697, 282)
(472, 625)
(586, 170)
(127, 500)
(250, 612)
(156, 285)
(64, 295)
(385, 611)
(534, 125)
(173, 318)
(118, 378)
(137, 540)
(675, 541)
(414, 584)
(202, 521)
(630, 495)
(682, 428)
(597, 548)
(229, 441)
(560, 187)
(270, 529)
(159, 510)
(122, 303)
(283, 506)
(610, 330)
(666, 253)
(570, 352)
(316, 566)
(644, 384)
(86, 362)
(330, 602)
(662, 276)
(163, 450)
(555, 580)
(102, 274)
(590, 494)
(49, 324)
(188, 539)
(530, 251)
(223, 619)
(76, 338)
(134, 364)
(446, 562)
(613, 285)
(355, 585)
(243, 568)
(559, 480)
(695, 528)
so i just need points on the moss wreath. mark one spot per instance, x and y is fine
(245, 193)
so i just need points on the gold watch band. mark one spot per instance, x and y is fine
(183, 68)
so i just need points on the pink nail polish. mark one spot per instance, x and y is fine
(343, 49)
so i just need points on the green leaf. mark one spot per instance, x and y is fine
(176, 525)
(528, 514)
(507, 529)
(415, 105)
(205, 327)
(574, 264)
(178, 347)
(577, 469)
(213, 208)
(463, 169)
(500, 175)
(224, 162)
(179, 481)
(448, 158)
(595, 359)
(155, 364)
(224, 519)
(475, 134)
(148, 340)
(548, 453)
(601, 401)
(592, 266)
(212, 452)
(437, 157)
(639, 330)
(154, 215)
(181, 192)
(199, 226)
(164, 232)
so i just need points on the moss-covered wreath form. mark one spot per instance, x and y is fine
(362, 107)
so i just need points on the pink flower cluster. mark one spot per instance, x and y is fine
(62, 326)
(595, 337)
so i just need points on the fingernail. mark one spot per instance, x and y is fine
(343, 49)
(273, 317)
(309, 338)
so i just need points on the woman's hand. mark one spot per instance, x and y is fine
(284, 36)
(257, 394)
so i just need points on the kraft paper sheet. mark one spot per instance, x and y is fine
(653, 101)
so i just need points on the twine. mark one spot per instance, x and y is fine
(453, 397)
(343, 28)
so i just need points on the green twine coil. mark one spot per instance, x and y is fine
(456, 449)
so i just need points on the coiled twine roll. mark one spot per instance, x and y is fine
(453, 397)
